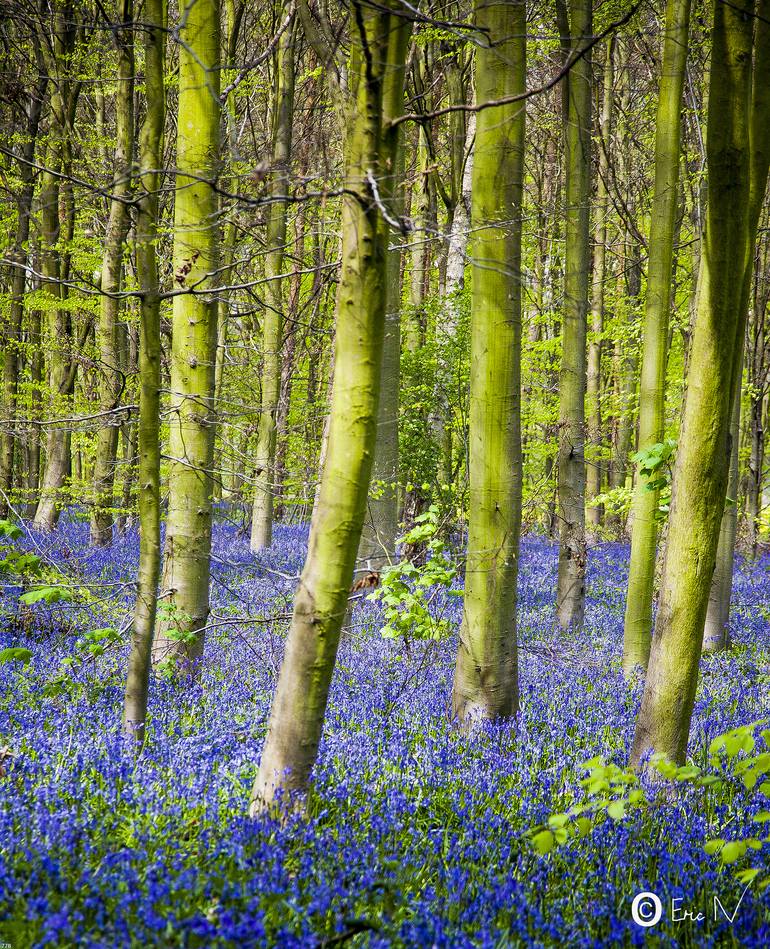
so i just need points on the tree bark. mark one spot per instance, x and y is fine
(638, 618)
(594, 376)
(180, 633)
(378, 47)
(570, 594)
(110, 375)
(700, 476)
(272, 330)
(486, 674)
(150, 161)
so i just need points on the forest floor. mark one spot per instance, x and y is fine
(414, 835)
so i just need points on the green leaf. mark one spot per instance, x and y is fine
(558, 820)
(543, 841)
(617, 810)
(15, 654)
(746, 876)
(713, 846)
(732, 851)
(762, 816)
(46, 594)
(583, 825)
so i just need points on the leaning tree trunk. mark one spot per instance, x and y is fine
(644, 535)
(272, 327)
(110, 375)
(486, 675)
(187, 556)
(378, 48)
(700, 476)
(570, 594)
(150, 161)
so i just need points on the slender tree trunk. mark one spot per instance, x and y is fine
(378, 537)
(37, 375)
(378, 47)
(110, 376)
(486, 677)
(57, 439)
(180, 634)
(12, 331)
(701, 472)
(288, 363)
(570, 594)
(150, 161)
(594, 376)
(272, 331)
(638, 619)
(454, 284)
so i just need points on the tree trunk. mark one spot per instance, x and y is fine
(378, 538)
(150, 161)
(180, 634)
(378, 47)
(716, 634)
(638, 619)
(272, 331)
(594, 376)
(12, 331)
(486, 677)
(110, 376)
(700, 476)
(570, 594)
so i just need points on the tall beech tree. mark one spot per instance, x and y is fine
(715, 632)
(110, 375)
(486, 675)
(378, 537)
(273, 323)
(598, 278)
(19, 256)
(57, 224)
(378, 41)
(150, 163)
(734, 137)
(637, 627)
(187, 556)
(570, 593)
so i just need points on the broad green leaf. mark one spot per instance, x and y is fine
(15, 654)
(616, 810)
(543, 841)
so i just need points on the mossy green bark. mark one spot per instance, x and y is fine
(486, 679)
(273, 322)
(716, 628)
(637, 626)
(110, 375)
(570, 594)
(150, 163)
(700, 476)
(180, 633)
(379, 37)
